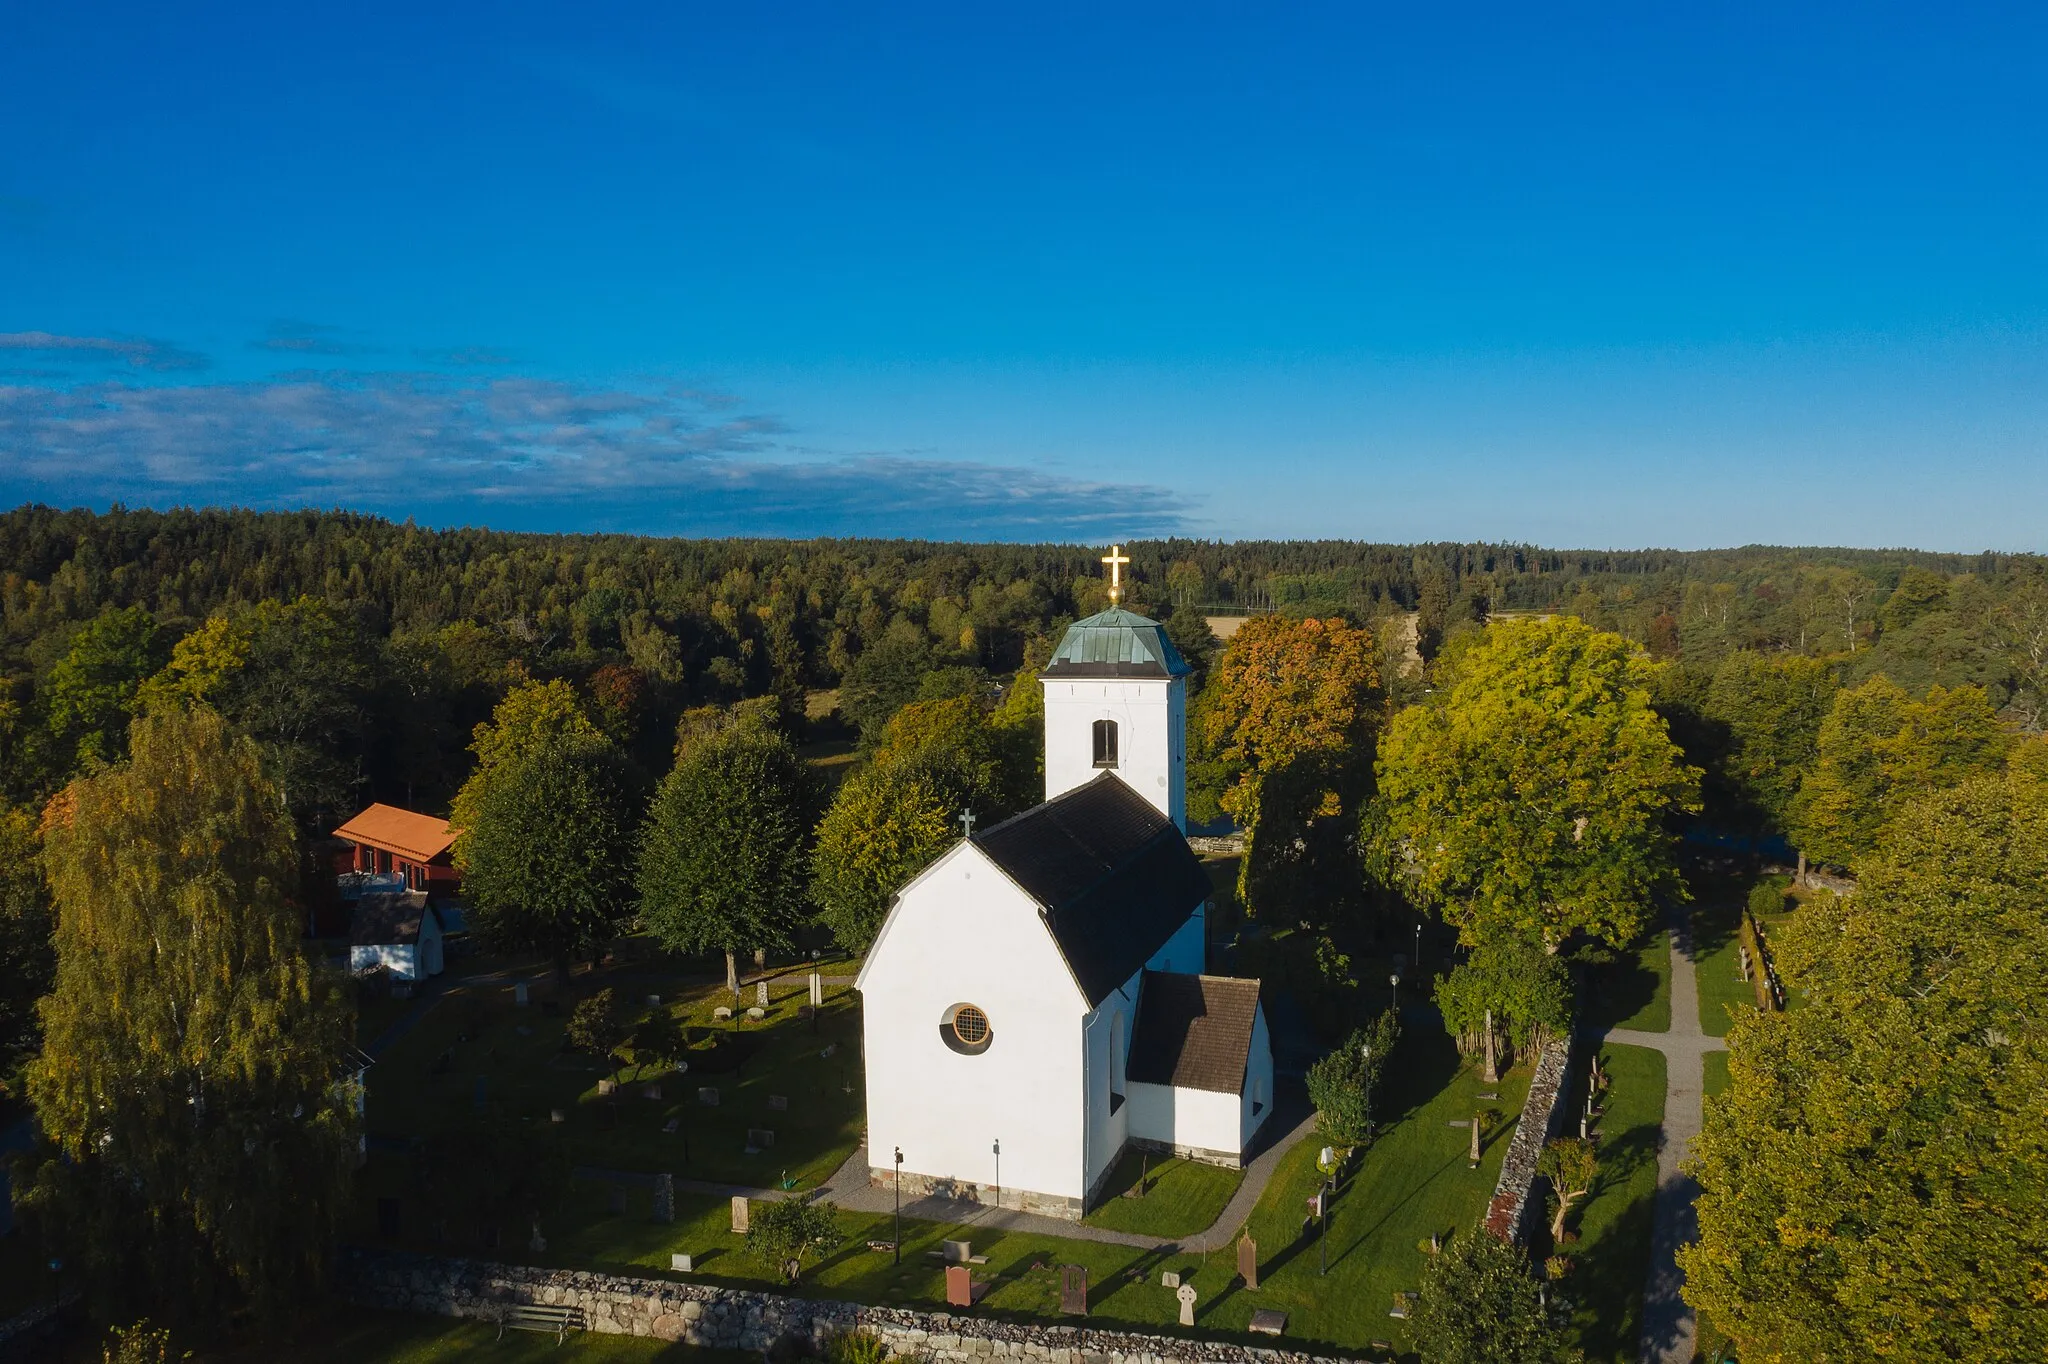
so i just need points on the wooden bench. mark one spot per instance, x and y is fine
(532, 1316)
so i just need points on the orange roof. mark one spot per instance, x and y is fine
(421, 838)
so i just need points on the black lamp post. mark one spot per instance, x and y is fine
(899, 1205)
(1323, 1231)
(999, 1173)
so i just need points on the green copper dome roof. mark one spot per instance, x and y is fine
(1116, 643)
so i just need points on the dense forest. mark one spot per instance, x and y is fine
(380, 645)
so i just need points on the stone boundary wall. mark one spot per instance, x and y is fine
(739, 1319)
(1507, 1216)
(1228, 844)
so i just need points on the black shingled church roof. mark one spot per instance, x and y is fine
(1113, 877)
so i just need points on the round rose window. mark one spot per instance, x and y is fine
(965, 1029)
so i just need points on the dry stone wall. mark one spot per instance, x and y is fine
(738, 1319)
(1507, 1215)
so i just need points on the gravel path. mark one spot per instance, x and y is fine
(1668, 1326)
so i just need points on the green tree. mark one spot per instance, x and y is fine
(1569, 1163)
(1874, 1182)
(723, 862)
(191, 1079)
(594, 1024)
(888, 822)
(141, 1343)
(26, 960)
(1291, 715)
(1000, 761)
(1478, 1304)
(1341, 1084)
(884, 679)
(91, 691)
(1531, 796)
(782, 1231)
(1879, 748)
(1772, 707)
(548, 853)
(534, 717)
(1527, 990)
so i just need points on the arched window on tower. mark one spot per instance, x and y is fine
(1105, 743)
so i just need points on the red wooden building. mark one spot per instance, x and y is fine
(388, 839)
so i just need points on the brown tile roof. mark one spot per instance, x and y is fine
(1193, 1032)
(391, 917)
(421, 838)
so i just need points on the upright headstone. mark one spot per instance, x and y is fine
(1169, 1278)
(708, 1096)
(739, 1215)
(1186, 1294)
(1475, 1141)
(959, 1286)
(1074, 1290)
(519, 994)
(778, 1103)
(1248, 1262)
(817, 989)
(957, 1252)
(537, 1244)
(681, 1263)
(761, 995)
(1491, 1074)
(664, 1198)
(605, 1088)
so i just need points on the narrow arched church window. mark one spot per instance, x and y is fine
(1105, 743)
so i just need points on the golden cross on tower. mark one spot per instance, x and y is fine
(1116, 559)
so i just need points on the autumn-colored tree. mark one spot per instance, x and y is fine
(1879, 748)
(723, 855)
(26, 962)
(1290, 716)
(1531, 795)
(192, 1079)
(1874, 1182)
(532, 717)
(1569, 1163)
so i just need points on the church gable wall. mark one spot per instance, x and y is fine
(963, 933)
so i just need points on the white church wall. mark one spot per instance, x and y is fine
(1151, 719)
(1197, 1123)
(1255, 1105)
(1108, 1123)
(400, 959)
(964, 933)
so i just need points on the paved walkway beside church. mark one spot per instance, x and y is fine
(1668, 1326)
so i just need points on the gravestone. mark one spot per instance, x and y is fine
(739, 1215)
(1268, 1322)
(1186, 1294)
(756, 1014)
(759, 1139)
(1475, 1141)
(388, 1218)
(959, 1286)
(1248, 1262)
(817, 990)
(956, 1252)
(537, 1244)
(1490, 1073)
(1169, 1279)
(654, 1001)
(760, 997)
(1074, 1290)
(557, 1115)
(708, 1096)
(605, 1088)
(826, 1054)
(670, 1128)
(664, 1198)
(681, 1264)
(778, 1103)
(520, 995)
(650, 1091)
(721, 1014)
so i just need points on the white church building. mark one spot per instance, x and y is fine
(1036, 1001)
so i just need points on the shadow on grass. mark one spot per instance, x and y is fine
(1622, 987)
(1609, 1282)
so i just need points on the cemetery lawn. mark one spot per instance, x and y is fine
(363, 1336)
(1413, 1182)
(1717, 1073)
(1182, 1197)
(476, 1056)
(1613, 1223)
(1635, 990)
(1717, 951)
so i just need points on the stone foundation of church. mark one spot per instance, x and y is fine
(1230, 1160)
(967, 1191)
(705, 1314)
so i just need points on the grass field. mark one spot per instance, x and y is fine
(1635, 991)
(476, 1055)
(1717, 1073)
(1612, 1253)
(1717, 950)
(1180, 1197)
(1413, 1182)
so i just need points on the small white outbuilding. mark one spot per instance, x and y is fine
(398, 931)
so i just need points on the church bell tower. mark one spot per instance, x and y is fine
(1116, 700)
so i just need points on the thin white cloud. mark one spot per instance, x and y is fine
(139, 352)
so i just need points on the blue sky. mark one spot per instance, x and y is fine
(1601, 276)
